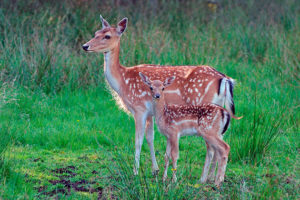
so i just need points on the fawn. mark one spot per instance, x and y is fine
(207, 120)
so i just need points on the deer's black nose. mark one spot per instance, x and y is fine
(157, 96)
(85, 47)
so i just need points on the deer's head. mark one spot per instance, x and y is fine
(157, 87)
(107, 38)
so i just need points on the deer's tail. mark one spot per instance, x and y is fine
(229, 103)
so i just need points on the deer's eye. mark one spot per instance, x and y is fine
(151, 88)
(107, 37)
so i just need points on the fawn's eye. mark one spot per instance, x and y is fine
(151, 88)
(107, 37)
(163, 89)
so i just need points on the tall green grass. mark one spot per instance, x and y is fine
(6, 96)
(254, 136)
(41, 47)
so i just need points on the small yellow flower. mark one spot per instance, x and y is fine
(174, 170)
(78, 120)
(212, 5)
(197, 185)
(94, 157)
(50, 20)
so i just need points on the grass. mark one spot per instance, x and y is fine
(63, 136)
(84, 130)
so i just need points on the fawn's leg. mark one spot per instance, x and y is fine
(208, 158)
(211, 174)
(167, 159)
(150, 139)
(140, 122)
(212, 169)
(174, 154)
(222, 151)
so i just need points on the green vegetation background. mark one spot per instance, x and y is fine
(60, 129)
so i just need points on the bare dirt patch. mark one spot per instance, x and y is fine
(65, 185)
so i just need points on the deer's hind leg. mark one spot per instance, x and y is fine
(221, 153)
(212, 169)
(174, 154)
(210, 155)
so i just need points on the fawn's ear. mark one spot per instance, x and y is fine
(122, 25)
(145, 79)
(169, 81)
(105, 24)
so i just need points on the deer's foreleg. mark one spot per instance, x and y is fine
(150, 140)
(140, 123)
(167, 159)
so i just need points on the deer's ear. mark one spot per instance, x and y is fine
(105, 24)
(122, 25)
(145, 79)
(169, 81)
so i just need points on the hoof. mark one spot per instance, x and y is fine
(211, 179)
(203, 181)
(174, 179)
(155, 172)
(217, 185)
(135, 172)
(218, 182)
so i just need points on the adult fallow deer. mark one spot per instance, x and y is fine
(193, 85)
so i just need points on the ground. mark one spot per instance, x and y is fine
(84, 153)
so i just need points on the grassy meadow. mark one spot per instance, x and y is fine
(62, 135)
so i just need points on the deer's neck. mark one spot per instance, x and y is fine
(159, 106)
(112, 68)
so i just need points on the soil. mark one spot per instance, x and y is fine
(64, 174)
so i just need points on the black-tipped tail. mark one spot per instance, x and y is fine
(229, 103)
(227, 121)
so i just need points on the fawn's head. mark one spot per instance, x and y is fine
(107, 38)
(157, 87)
